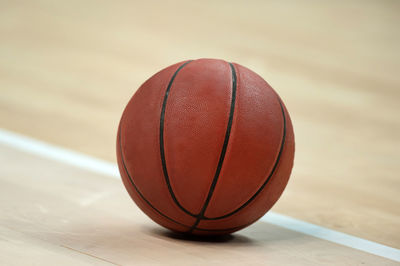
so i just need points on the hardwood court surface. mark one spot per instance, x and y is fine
(67, 69)
(53, 213)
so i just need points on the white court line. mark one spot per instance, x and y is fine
(332, 236)
(55, 153)
(89, 163)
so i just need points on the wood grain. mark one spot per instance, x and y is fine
(67, 69)
(55, 213)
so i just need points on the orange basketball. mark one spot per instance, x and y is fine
(205, 147)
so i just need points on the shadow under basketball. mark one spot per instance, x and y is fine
(228, 238)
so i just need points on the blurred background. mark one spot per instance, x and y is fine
(68, 68)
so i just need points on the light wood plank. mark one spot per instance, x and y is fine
(54, 211)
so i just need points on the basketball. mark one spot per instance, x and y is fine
(205, 147)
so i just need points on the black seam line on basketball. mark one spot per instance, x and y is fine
(269, 177)
(162, 150)
(223, 151)
(137, 190)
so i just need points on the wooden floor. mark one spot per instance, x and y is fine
(53, 213)
(67, 69)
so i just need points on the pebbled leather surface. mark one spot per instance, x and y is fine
(140, 146)
(254, 143)
(195, 122)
